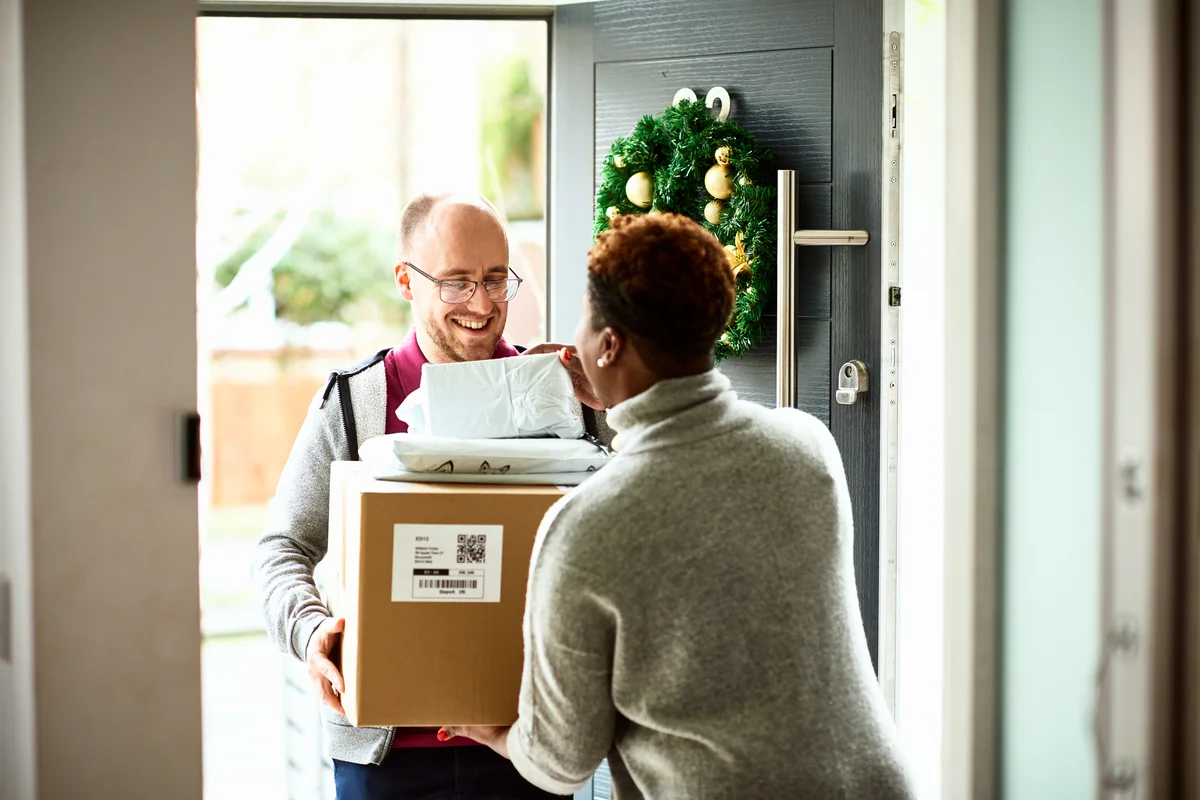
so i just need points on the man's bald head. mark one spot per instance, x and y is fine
(456, 240)
(416, 217)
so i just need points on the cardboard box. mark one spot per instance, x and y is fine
(431, 580)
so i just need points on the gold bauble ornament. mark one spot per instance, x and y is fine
(640, 189)
(611, 212)
(745, 181)
(717, 181)
(619, 160)
(736, 253)
(722, 155)
(712, 211)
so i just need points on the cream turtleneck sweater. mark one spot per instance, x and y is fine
(692, 615)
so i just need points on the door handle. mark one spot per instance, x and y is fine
(788, 239)
(831, 238)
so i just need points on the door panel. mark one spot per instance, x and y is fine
(806, 80)
(753, 374)
(814, 209)
(791, 117)
(855, 278)
(635, 30)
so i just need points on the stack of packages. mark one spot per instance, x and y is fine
(508, 420)
(431, 537)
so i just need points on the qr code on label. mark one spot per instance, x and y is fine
(472, 549)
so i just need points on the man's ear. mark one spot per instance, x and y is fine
(403, 281)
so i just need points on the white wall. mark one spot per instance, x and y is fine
(1053, 396)
(110, 285)
(16, 677)
(922, 393)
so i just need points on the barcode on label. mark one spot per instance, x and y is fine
(444, 583)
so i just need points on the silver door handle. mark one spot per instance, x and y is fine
(831, 238)
(788, 238)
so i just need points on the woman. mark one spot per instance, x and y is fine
(691, 609)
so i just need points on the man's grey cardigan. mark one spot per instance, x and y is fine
(297, 535)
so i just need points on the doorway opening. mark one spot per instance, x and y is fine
(313, 134)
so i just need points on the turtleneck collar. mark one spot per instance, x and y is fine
(652, 411)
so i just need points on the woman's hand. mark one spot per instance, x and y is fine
(568, 356)
(494, 737)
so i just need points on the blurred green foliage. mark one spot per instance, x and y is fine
(338, 270)
(512, 118)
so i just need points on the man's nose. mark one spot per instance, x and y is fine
(480, 303)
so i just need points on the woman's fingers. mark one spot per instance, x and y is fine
(584, 392)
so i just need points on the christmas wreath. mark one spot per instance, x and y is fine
(691, 163)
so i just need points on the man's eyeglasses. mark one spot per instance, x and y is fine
(456, 292)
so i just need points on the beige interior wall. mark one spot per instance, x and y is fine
(110, 209)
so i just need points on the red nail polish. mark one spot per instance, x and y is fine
(566, 355)
(442, 735)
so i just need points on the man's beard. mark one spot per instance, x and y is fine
(454, 349)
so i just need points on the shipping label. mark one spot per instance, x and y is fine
(447, 563)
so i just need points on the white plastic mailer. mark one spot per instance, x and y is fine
(502, 398)
(407, 456)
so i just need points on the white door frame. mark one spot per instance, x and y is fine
(1139, 694)
(972, 324)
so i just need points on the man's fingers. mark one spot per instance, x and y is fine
(327, 670)
(338, 626)
(335, 678)
(325, 689)
(330, 699)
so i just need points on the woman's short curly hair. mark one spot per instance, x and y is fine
(664, 281)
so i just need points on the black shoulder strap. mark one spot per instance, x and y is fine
(590, 425)
(341, 379)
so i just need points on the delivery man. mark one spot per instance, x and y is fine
(453, 269)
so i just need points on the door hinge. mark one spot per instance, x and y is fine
(894, 296)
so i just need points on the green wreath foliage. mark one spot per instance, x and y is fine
(677, 148)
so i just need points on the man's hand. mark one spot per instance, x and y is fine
(568, 356)
(494, 737)
(323, 672)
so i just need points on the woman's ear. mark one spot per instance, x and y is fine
(403, 281)
(612, 346)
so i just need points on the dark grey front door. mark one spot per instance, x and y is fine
(806, 78)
